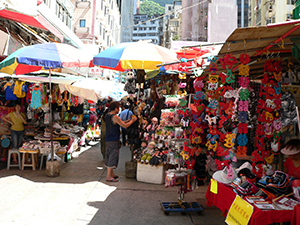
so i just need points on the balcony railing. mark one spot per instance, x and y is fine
(83, 4)
(81, 30)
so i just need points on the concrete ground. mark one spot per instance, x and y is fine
(80, 195)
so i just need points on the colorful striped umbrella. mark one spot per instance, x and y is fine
(134, 55)
(48, 56)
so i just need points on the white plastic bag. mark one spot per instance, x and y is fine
(55, 157)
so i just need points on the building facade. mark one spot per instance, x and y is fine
(148, 28)
(127, 11)
(203, 20)
(172, 23)
(97, 23)
(263, 12)
(243, 11)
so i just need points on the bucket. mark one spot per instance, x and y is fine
(130, 169)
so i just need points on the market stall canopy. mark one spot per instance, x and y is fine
(262, 43)
(48, 55)
(55, 80)
(94, 89)
(191, 53)
(134, 55)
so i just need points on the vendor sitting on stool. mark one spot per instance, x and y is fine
(292, 163)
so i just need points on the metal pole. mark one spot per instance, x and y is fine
(242, 13)
(51, 123)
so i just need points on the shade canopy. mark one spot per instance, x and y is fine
(134, 55)
(261, 43)
(48, 55)
(92, 89)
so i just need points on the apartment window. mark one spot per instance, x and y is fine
(100, 30)
(102, 4)
(82, 23)
(84, 0)
(289, 16)
(47, 2)
(290, 2)
(152, 21)
(103, 34)
(170, 8)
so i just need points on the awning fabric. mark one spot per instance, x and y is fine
(50, 27)
(261, 43)
(92, 89)
(55, 80)
(21, 18)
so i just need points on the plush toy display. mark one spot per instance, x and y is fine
(137, 153)
(130, 83)
(148, 152)
(156, 157)
(151, 129)
(140, 79)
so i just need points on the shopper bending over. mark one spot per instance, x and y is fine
(112, 124)
(17, 121)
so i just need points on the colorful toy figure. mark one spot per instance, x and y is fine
(148, 152)
(151, 129)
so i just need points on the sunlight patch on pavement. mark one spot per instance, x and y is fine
(27, 202)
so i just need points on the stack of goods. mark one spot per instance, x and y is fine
(267, 189)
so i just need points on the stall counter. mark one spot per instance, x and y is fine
(226, 196)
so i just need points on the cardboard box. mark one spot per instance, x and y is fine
(151, 174)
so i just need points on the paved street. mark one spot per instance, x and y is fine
(80, 195)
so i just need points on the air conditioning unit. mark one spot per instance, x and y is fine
(270, 9)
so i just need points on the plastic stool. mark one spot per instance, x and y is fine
(42, 160)
(33, 154)
(11, 151)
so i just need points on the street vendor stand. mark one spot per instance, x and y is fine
(247, 97)
(225, 197)
(260, 48)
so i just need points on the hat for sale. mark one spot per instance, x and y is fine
(245, 165)
(225, 176)
(152, 143)
(290, 150)
(154, 119)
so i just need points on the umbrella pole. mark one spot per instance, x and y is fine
(51, 125)
(52, 167)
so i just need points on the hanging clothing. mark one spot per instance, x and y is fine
(36, 100)
(9, 91)
(29, 93)
(20, 89)
(56, 95)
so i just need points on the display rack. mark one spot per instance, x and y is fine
(185, 180)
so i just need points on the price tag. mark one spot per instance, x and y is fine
(213, 186)
(239, 213)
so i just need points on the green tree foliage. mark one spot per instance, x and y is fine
(151, 8)
(164, 2)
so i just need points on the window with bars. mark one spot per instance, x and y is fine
(82, 23)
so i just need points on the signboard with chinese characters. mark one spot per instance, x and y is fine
(95, 72)
(239, 213)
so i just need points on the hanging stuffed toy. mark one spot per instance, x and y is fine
(140, 79)
(130, 83)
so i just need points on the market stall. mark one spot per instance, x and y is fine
(251, 89)
(241, 107)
